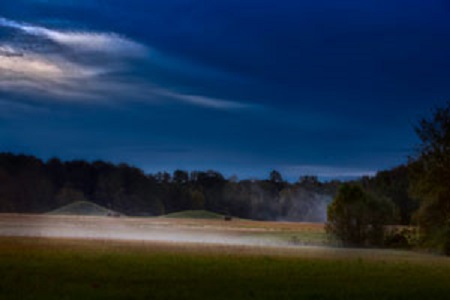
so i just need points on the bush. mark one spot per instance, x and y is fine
(357, 218)
(401, 237)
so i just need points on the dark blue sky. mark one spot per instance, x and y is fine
(328, 88)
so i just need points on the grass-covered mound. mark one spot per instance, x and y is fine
(83, 208)
(194, 214)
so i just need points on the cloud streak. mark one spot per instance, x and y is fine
(35, 65)
(82, 66)
(110, 43)
(203, 101)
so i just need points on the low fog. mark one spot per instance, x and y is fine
(305, 206)
(136, 229)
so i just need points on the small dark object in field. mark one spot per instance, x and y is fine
(227, 218)
(113, 214)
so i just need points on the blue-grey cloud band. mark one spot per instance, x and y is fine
(72, 69)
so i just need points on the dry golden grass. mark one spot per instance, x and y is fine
(188, 230)
(204, 237)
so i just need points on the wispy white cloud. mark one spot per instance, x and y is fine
(14, 62)
(203, 101)
(61, 75)
(49, 75)
(84, 66)
(83, 41)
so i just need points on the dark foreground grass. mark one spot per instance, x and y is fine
(71, 269)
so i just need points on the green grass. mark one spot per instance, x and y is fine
(71, 269)
(293, 237)
(83, 208)
(194, 214)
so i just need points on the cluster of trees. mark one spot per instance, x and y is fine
(30, 185)
(430, 176)
(357, 217)
(414, 194)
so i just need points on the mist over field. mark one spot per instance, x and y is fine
(237, 232)
(306, 206)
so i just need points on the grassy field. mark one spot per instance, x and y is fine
(194, 214)
(108, 268)
(238, 232)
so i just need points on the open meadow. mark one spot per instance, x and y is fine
(60, 257)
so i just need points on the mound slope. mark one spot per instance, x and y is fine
(83, 208)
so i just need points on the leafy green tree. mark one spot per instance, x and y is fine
(431, 179)
(357, 218)
(394, 184)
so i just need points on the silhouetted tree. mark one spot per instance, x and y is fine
(309, 181)
(180, 177)
(430, 173)
(395, 184)
(275, 177)
(277, 180)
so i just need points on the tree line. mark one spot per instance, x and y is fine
(416, 194)
(31, 185)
